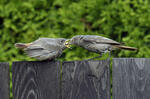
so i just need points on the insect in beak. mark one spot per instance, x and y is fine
(67, 44)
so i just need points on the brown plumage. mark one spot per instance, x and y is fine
(125, 47)
(22, 45)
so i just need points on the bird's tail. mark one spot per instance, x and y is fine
(21, 45)
(125, 47)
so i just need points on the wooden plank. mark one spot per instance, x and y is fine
(4, 81)
(36, 80)
(131, 78)
(86, 80)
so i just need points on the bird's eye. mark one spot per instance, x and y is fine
(81, 38)
(62, 41)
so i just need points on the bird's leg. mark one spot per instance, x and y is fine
(95, 57)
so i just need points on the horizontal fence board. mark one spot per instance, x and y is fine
(131, 78)
(36, 80)
(86, 80)
(4, 81)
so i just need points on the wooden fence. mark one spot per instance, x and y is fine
(77, 79)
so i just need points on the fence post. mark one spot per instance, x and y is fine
(4, 81)
(86, 80)
(131, 78)
(36, 80)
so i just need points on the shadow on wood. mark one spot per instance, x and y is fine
(36, 80)
(4, 81)
(86, 80)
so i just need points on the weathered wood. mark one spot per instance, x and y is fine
(36, 80)
(131, 78)
(4, 81)
(86, 80)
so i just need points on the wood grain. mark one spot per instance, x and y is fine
(86, 80)
(4, 81)
(131, 78)
(36, 80)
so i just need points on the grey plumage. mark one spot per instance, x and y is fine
(97, 44)
(44, 48)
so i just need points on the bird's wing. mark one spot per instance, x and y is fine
(41, 54)
(41, 50)
(36, 52)
(46, 43)
(49, 56)
(33, 47)
(99, 39)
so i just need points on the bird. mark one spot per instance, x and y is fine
(98, 44)
(44, 48)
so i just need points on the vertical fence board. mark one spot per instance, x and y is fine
(86, 80)
(131, 78)
(36, 80)
(4, 81)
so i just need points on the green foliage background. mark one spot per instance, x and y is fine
(125, 21)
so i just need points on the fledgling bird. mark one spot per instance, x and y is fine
(44, 48)
(98, 44)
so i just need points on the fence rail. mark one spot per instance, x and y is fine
(77, 79)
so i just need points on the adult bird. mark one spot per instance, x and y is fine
(44, 48)
(98, 44)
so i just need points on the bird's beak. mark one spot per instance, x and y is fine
(67, 44)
